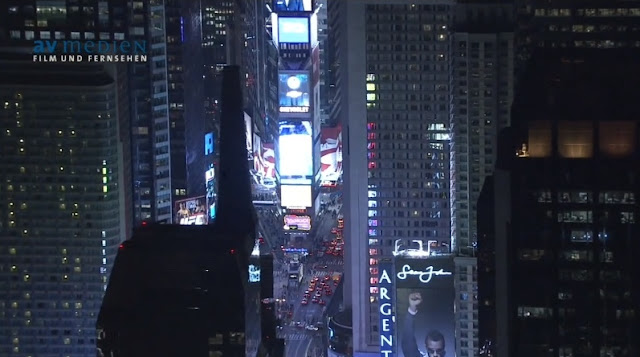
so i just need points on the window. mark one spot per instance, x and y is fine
(535, 312)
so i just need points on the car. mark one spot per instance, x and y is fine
(316, 279)
(300, 324)
(335, 282)
(304, 302)
(306, 295)
(311, 328)
(327, 278)
(328, 292)
(334, 230)
(315, 300)
(318, 293)
(322, 302)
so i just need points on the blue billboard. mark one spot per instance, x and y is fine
(293, 5)
(295, 143)
(385, 299)
(293, 30)
(294, 92)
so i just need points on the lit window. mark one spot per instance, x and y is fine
(27, 277)
(12, 251)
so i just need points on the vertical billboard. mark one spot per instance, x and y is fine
(210, 180)
(385, 299)
(295, 143)
(331, 155)
(269, 161)
(425, 320)
(249, 135)
(294, 90)
(191, 211)
(293, 5)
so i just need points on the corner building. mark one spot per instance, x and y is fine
(395, 102)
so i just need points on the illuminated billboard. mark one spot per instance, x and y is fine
(294, 92)
(249, 135)
(210, 181)
(296, 196)
(385, 299)
(330, 155)
(269, 161)
(192, 211)
(293, 30)
(300, 223)
(425, 320)
(295, 144)
(293, 5)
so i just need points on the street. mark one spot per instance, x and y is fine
(300, 340)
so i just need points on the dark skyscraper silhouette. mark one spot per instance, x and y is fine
(184, 290)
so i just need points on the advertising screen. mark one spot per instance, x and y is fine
(295, 196)
(269, 161)
(293, 29)
(300, 223)
(192, 211)
(331, 155)
(425, 321)
(210, 179)
(293, 5)
(295, 143)
(294, 92)
(249, 133)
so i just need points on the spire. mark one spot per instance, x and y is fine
(236, 215)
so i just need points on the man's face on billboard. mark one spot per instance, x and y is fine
(435, 348)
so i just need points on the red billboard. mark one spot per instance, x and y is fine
(331, 155)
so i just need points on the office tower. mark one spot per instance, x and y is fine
(65, 201)
(295, 31)
(565, 209)
(26, 21)
(394, 101)
(189, 291)
(482, 90)
(597, 24)
(176, 89)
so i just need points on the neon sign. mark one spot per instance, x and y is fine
(387, 320)
(425, 276)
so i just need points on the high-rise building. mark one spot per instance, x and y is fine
(564, 210)
(597, 24)
(66, 20)
(395, 98)
(66, 201)
(194, 291)
(294, 27)
(176, 89)
(482, 90)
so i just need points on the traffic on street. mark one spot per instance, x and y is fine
(307, 268)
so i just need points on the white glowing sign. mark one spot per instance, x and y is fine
(387, 320)
(254, 274)
(425, 275)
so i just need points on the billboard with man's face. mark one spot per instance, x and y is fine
(425, 320)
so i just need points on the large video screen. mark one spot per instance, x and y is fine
(425, 320)
(331, 155)
(293, 5)
(297, 223)
(294, 92)
(296, 196)
(293, 30)
(192, 211)
(249, 135)
(295, 149)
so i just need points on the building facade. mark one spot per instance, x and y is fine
(66, 201)
(295, 32)
(565, 212)
(393, 79)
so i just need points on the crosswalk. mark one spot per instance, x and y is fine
(296, 337)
